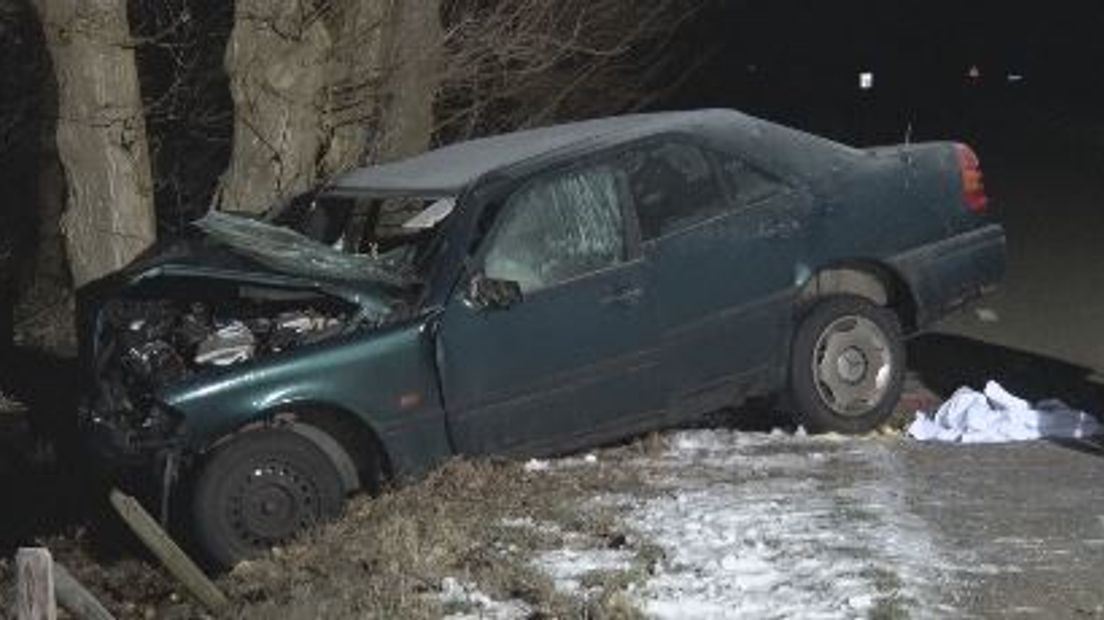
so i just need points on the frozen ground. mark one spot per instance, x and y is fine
(766, 526)
(783, 526)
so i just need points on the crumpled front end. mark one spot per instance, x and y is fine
(143, 339)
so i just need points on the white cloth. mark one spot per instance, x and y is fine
(996, 416)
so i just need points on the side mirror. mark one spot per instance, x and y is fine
(487, 292)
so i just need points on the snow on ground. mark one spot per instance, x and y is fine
(770, 526)
(569, 566)
(751, 525)
(753, 528)
(476, 605)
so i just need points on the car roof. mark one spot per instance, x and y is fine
(447, 171)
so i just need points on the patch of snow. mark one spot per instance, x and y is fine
(996, 416)
(520, 522)
(477, 605)
(785, 543)
(567, 567)
(530, 523)
(535, 465)
(587, 460)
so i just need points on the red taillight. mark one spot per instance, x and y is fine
(973, 182)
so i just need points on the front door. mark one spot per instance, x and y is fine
(573, 361)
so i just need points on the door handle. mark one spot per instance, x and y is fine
(629, 296)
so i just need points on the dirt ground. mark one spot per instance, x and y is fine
(1017, 530)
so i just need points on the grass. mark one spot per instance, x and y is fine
(388, 557)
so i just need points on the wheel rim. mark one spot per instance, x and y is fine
(273, 502)
(853, 365)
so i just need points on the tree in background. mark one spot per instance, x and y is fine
(317, 86)
(513, 64)
(101, 135)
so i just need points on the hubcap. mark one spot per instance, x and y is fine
(852, 365)
(272, 503)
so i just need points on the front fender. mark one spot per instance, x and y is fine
(387, 379)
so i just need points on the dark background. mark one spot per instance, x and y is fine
(798, 62)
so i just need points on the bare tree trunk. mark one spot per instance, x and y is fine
(416, 48)
(275, 60)
(101, 135)
(320, 88)
(354, 77)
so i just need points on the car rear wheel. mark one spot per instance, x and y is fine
(847, 366)
(260, 490)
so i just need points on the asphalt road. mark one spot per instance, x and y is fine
(1030, 517)
(1034, 513)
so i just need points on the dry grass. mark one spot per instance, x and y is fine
(387, 558)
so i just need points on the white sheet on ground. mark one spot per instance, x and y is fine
(996, 416)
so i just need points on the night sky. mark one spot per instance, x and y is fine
(799, 61)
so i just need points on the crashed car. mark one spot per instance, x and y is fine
(525, 294)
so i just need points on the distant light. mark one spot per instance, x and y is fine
(752, 68)
(1015, 77)
(866, 80)
(974, 73)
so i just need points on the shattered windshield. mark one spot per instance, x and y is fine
(388, 241)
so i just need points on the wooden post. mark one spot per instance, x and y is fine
(162, 546)
(34, 595)
(76, 599)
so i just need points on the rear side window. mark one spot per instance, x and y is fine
(673, 186)
(559, 229)
(746, 184)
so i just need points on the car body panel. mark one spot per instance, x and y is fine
(723, 290)
(576, 356)
(386, 379)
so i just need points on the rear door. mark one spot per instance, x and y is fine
(575, 360)
(723, 240)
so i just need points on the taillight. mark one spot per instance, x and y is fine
(973, 182)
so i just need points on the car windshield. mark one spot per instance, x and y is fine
(384, 240)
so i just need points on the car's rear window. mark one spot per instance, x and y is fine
(673, 186)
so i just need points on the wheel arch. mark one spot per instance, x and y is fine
(869, 279)
(354, 447)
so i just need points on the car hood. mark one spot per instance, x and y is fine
(240, 250)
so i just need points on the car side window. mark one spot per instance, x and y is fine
(747, 185)
(673, 186)
(559, 229)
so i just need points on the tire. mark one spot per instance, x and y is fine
(259, 490)
(847, 366)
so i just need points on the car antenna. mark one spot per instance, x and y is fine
(906, 154)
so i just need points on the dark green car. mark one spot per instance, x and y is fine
(527, 294)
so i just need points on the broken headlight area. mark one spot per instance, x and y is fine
(145, 345)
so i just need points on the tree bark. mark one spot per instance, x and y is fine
(355, 74)
(275, 59)
(416, 48)
(321, 88)
(101, 135)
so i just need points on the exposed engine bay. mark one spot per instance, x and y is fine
(144, 345)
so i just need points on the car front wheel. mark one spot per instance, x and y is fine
(847, 366)
(260, 490)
